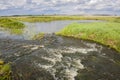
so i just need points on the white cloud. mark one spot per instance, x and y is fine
(17, 2)
(63, 6)
(95, 1)
(2, 7)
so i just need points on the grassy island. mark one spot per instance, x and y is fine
(12, 25)
(107, 33)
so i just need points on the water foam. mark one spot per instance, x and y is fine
(68, 65)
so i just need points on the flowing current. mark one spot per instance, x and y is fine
(60, 58)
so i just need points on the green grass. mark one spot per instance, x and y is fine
(12, 25)
(53, 18)
(38, 36)
(44, 18)
(5, 71)
(16, 31)
(1, 62)
(107, 33)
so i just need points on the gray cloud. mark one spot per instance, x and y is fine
(59, 6)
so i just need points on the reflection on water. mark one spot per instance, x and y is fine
(32, 29)
(7, 34)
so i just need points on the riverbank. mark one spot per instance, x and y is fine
(54, 18)
(107, 33)
(5, 71)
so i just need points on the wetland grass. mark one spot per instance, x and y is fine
(107, 33)
(38, 36)
(5, 71)
(53, 18)
(12, 25)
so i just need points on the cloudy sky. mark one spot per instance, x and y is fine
(22, 7)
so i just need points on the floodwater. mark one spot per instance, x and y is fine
(32, 29)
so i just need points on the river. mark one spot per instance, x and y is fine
(59, 58)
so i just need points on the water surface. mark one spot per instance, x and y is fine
(32, 29)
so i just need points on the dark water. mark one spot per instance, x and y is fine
(32, 29)
(60, 58)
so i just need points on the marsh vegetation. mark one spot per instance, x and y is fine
(54, 18)
(12, 25)
(107, 33)
(5, 71)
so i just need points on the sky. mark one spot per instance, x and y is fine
(70, 7)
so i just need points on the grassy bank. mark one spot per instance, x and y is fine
(5, 71)
(12, 25)
(53, 18)
(107, 33)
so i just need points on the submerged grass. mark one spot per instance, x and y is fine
(107, 33)
(38, 36)
(16, 31)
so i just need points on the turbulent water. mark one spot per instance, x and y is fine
(60, 58)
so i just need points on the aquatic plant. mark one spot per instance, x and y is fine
(16, 31)
(38, 36)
